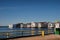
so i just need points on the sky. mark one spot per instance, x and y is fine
(17, 11)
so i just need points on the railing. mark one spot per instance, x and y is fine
(18, 33)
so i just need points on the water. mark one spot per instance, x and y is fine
(15, 32)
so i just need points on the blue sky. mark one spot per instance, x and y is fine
(16, 11)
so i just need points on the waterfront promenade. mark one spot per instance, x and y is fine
(46, 37)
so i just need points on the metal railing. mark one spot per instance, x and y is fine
(17, 33)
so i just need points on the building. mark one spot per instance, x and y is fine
(42, 24)
(57, 25)
(11, 26)
(24, 25)
(28, 25)
(51, 24)
(34, 24)
(18, 25)
(51, 27)
(57, 28)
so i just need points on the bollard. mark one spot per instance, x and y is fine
(42, 33)
(7, 35)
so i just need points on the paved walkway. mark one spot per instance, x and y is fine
(47, 37)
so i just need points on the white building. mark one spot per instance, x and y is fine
(57, 25)
(51, 25)
(39, 24)
(11, 26)
(34, 24)
(28, 25)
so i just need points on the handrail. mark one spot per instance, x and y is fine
(7, 34)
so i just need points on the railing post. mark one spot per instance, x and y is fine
(49, 31)
(32, 32)
(7, 35)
